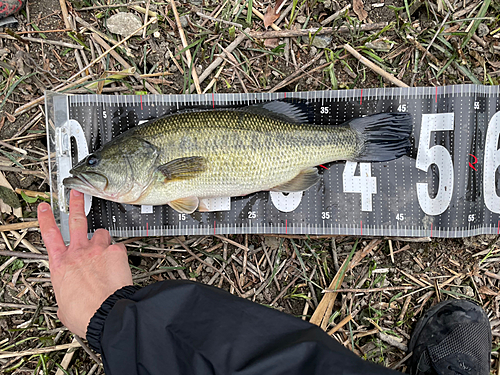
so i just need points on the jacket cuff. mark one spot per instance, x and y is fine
(96, 324)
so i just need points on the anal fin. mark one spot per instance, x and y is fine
(303, 181)
(185, 205)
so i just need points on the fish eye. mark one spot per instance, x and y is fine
(91, 160)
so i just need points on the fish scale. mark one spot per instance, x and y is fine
(242, 151)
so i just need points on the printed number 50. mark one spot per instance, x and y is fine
(439, 156)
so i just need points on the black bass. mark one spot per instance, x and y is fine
(183, 157)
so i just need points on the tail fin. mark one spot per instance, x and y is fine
(383, 136)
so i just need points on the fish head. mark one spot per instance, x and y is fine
(120, 171)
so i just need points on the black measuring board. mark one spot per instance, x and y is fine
(447, 186)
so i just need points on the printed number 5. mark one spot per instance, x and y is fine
(439, 156)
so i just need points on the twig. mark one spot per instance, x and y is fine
(358, 257)
(391, 251)
(66, 359)
(292, 77)
(219, 20)
(400, 363)
(23, 171)
(316, 31)
(282, 293)
(220, 59)
(335, 15)
(31, 307)
(104, 54)
(184, 45)
(17, 149)
(65, 14)
(216, 76)
(231, 242)
(22, 254)
(368, 290)
(146, 14)
(433, 39)
(342, 323)
(102, 35)
(48, 349)
(421, 48)
(111, 6)
(392, 341)
(374, 67)
(122, 61)
(46, 41)
(87, 350)
(28, 106)
(208, 265)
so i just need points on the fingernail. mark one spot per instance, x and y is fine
(76, 193)
(43, 207)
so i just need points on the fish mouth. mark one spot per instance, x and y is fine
(81, 183)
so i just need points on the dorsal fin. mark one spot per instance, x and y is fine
(289, 110)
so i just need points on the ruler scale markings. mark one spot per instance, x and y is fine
(444, 97)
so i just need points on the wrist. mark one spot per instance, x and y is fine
(96, 324)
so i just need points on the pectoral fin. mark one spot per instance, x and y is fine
(303, 181)
(185, 205)
(183, 168)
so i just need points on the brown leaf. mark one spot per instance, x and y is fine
(485, 290)
(273, 13)
(271, 42)
(358, 7)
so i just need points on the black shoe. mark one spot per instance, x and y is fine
(454, 337)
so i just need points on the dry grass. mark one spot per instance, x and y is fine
(367, 293)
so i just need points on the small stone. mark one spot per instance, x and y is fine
(209, 260)
(482, 30)
(468, 291)
(313, 51)
(124, 24)
(322, 61)
(156, 34)
(301, 19)
(184, 21)
(322, 41)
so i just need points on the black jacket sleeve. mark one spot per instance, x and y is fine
(185, 328)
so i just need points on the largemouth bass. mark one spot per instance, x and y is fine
(183, 157)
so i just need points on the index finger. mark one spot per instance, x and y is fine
(77, 218)
(50, 232)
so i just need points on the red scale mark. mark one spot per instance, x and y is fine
(141, 102)
(285, 95)
(213, 100)
(498, 228)
(147, 229)
(322, 166)
(361, 98)
(436, 94)
(472, 164)
(361, 224)
(286, 226)
(214, 227)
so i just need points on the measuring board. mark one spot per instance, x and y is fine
(447, 186)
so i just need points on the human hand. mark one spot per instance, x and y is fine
(86, 272)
